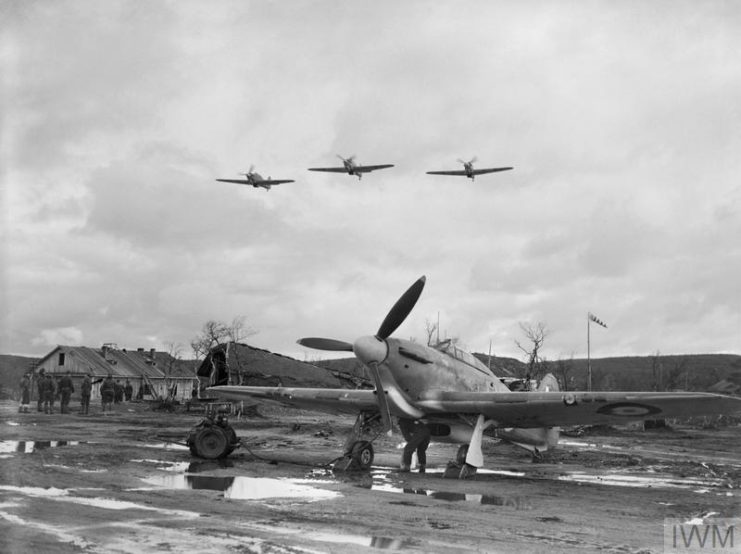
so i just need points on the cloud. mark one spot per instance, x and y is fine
(620, 121)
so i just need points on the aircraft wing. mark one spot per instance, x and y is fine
(238, 181)
(554, 409)
(451, 172)
(333, 401)
(490, 170)
(272, 182)
(367, 168)
(330, 169)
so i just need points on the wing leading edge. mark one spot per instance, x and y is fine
(257, 183)
(461, 172)
(333, 401)
(553, 409)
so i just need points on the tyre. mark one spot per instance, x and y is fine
(362, 454)
(211, 443)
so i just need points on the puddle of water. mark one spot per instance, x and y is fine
(13, 423)
(654, 480)
(188, 467)
(26, 447)
(245, 488)
(165, 446)
(382, 543)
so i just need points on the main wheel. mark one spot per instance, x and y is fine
(460, 456)
(211, 443)
(467, 472)
(362, 454)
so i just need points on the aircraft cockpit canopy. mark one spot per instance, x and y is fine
(447, 347)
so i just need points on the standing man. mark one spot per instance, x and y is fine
(107, 390)
(85, 390)
(417, 435)
(48, 392)
(128, 390)
(65, 391)
(25, 386)
(40, 384)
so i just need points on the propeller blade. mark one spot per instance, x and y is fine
(325, 344)
(252, 168)
(383, 404)
(401, 309)
(474, 159)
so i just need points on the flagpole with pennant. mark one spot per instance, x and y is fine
(591, 317)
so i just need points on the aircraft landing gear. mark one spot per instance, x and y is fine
(358, 453)
(469, 456)
(359, 457)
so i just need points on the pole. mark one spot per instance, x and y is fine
(589, 359)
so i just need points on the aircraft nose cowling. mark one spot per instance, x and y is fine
(370, 350)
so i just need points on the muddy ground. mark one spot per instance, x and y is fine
(114, 483)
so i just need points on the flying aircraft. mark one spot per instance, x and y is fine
(459, 398)
(256, 180)
(351, 168)
(468, 170)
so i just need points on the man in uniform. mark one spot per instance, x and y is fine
(107, 390)
(49, 391)
(417, 435)
(85, 389)
(128, 390)
(40, 390)
(65, 391)
(25, 394)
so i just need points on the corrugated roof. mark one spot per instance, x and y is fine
(120, 363)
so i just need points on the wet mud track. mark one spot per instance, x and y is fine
(115, 483)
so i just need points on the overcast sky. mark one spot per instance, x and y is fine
(622, 121)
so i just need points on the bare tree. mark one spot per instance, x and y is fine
(173, 361)
(536, 335)
(237, 332)
(430, 331)
(213, 333)
(563, 368)
(218, 333)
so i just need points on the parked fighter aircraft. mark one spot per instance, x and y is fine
(468, 170)
(256, 180)
(351, 168)
(460, 399)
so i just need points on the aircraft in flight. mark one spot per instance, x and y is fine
(256, 180)
(468, 170)
(458, 397)
(351, 168)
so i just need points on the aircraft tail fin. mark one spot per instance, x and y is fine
(548, 384)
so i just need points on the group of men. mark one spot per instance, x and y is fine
(49, 390)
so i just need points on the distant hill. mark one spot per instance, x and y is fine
(12, 369)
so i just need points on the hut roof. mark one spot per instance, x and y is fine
(120, 363)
